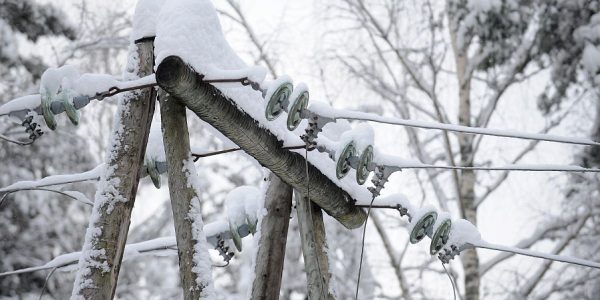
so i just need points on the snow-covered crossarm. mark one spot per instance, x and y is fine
(210, 104)
(216, 233)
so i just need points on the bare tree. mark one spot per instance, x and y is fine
(404, 51)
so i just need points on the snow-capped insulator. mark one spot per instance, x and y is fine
(47, 111)
(440, 236)
(235, 235)
(343, 165)
(153, 171)
(252, 224)
(299, 104)
(362, 170)
(70, 109)
(423, 226)
(278, 100)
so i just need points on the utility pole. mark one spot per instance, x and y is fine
(273, 237)
(176, 139)
(314, 248)
(107, 231)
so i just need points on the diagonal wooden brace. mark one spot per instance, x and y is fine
(184, 84)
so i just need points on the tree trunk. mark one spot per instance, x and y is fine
(208, 103)
(314, 248)
(273, 238)
(196, 280)
(109, 223)
(466, 195)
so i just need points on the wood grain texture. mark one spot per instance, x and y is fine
(126, 162)
(314, 248)
(271, 249)
(177, 149)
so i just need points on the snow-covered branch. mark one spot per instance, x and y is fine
(163, 246)
(93, 174)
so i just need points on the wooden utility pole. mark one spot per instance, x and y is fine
(314, 248)
(208, 103)
(177, 149)
(273, 237)
(107, 231)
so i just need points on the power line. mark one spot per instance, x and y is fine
(531, 253)
(197, 156)
(362, 116)
(524, 168)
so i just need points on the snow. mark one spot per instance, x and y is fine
(155, 247)
(442, 216)
(273, 85)
(242, 206)
(79, 196)
(155, 148)
(356, 115)
(145, 19)
(200, 257)
(463, 233)
(258, 208)
(361, 135)
(93, 174)
(390, 160)
(56, 79)
(417, 214)
(299, 89)
(191, 30)
(253, 73)
(253, 206)
(561, 258)
(90, 84)
(29, 102)
(321, 108)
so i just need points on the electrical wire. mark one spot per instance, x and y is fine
(362, 247)
(361, 116)
(554, 257)
(451, 281)
(524, 168)
(46, 282)
(197, 156)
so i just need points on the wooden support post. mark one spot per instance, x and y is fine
(107, 231)
(314, 248)
(273, 238)
(208, 103)
(179, 162)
